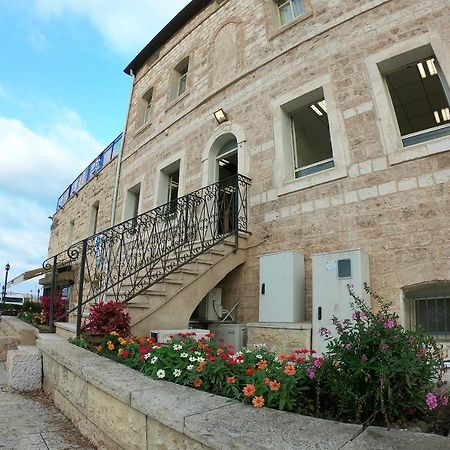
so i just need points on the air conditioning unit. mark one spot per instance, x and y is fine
(165, 335)
(210, 308)
(234, 334)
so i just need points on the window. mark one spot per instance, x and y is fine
(132, 202)
(147, 106)
(290, 10)
(420, 96)
(168, 188)
(179, 78)
(93, 219)
(429, 306)
(71, 231)
(311, 142)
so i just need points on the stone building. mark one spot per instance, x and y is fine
(337, 112)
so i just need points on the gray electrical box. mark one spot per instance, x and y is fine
(331, 274)
(282, 287)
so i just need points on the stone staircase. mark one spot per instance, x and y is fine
(169, 303)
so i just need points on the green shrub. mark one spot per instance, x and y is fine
(375, 370)
(79, 341)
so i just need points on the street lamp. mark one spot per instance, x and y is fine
(7, 267)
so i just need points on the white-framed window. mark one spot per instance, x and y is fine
(385, 69)
(310, 146)
(429, 308)
(169, 187)
(311, 141)
(420, 97)
(179, 78)
(289, 10)
(132, 199)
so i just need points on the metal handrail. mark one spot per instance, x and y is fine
(128, 258)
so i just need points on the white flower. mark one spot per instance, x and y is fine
(154, 359)
(190, 367)
(200, 359)
(248, 351)
(197, 353)
(147, 355)
(192, 359)
(161, 373)
(183, 355)
(177, 347)
(259, 356)
(177, 373)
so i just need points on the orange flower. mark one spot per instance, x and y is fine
(249, 390)
(200, 367)
(197, 383)
(290, 370)
(274, 385)
(266, 380)
(258, 401)
(283, 357)
(220, 350)
(231, 380)
(262, 364)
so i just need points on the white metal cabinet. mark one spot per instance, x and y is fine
(331, 273)
(282, 287)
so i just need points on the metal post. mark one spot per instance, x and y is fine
(51, 311)
(236, 215)
(81, 286)
(7, 267)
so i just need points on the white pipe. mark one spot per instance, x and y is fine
(119, 158)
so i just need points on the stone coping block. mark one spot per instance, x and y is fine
(24, 367)
(12, 326)
(243, 427)
(7, 343)
(281, 325)
(376, 438)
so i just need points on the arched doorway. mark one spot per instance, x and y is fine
(226, 170)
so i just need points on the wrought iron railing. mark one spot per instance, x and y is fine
(125, 260)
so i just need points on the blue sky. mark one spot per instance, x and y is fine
(63, 98)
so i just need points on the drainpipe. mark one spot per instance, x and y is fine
(119, 157)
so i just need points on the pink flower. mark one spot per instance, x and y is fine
(389, 323)
(358, 315)
(312, 373)
(431, 400)
(444, 400)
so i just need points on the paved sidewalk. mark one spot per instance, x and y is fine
(30, 422)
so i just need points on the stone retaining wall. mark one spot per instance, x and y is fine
(14, 332)
(118, 408)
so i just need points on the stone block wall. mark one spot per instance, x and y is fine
(391, 202)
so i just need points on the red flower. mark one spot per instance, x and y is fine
(143, 350)
(250, 371)
(240, 358)
(126, 353)
(210, 357)
(231, 362)
(197, 383)
(224, 356)
(292, 358)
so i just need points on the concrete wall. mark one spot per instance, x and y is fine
(391, 202)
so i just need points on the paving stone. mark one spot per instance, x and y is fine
(22, 442)
(375, 438)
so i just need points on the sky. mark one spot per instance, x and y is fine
(63, 98)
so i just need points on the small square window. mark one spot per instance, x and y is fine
(290, 10)
(420, 97)
(311, 138)
(344, 268)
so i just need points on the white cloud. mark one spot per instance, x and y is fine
(126, 26)
(36, 168)
(44, 164)
(38, 40)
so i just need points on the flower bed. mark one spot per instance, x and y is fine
(374, 371)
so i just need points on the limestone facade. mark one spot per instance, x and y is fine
(391, 201)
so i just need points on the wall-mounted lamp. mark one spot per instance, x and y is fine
(220, 116)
